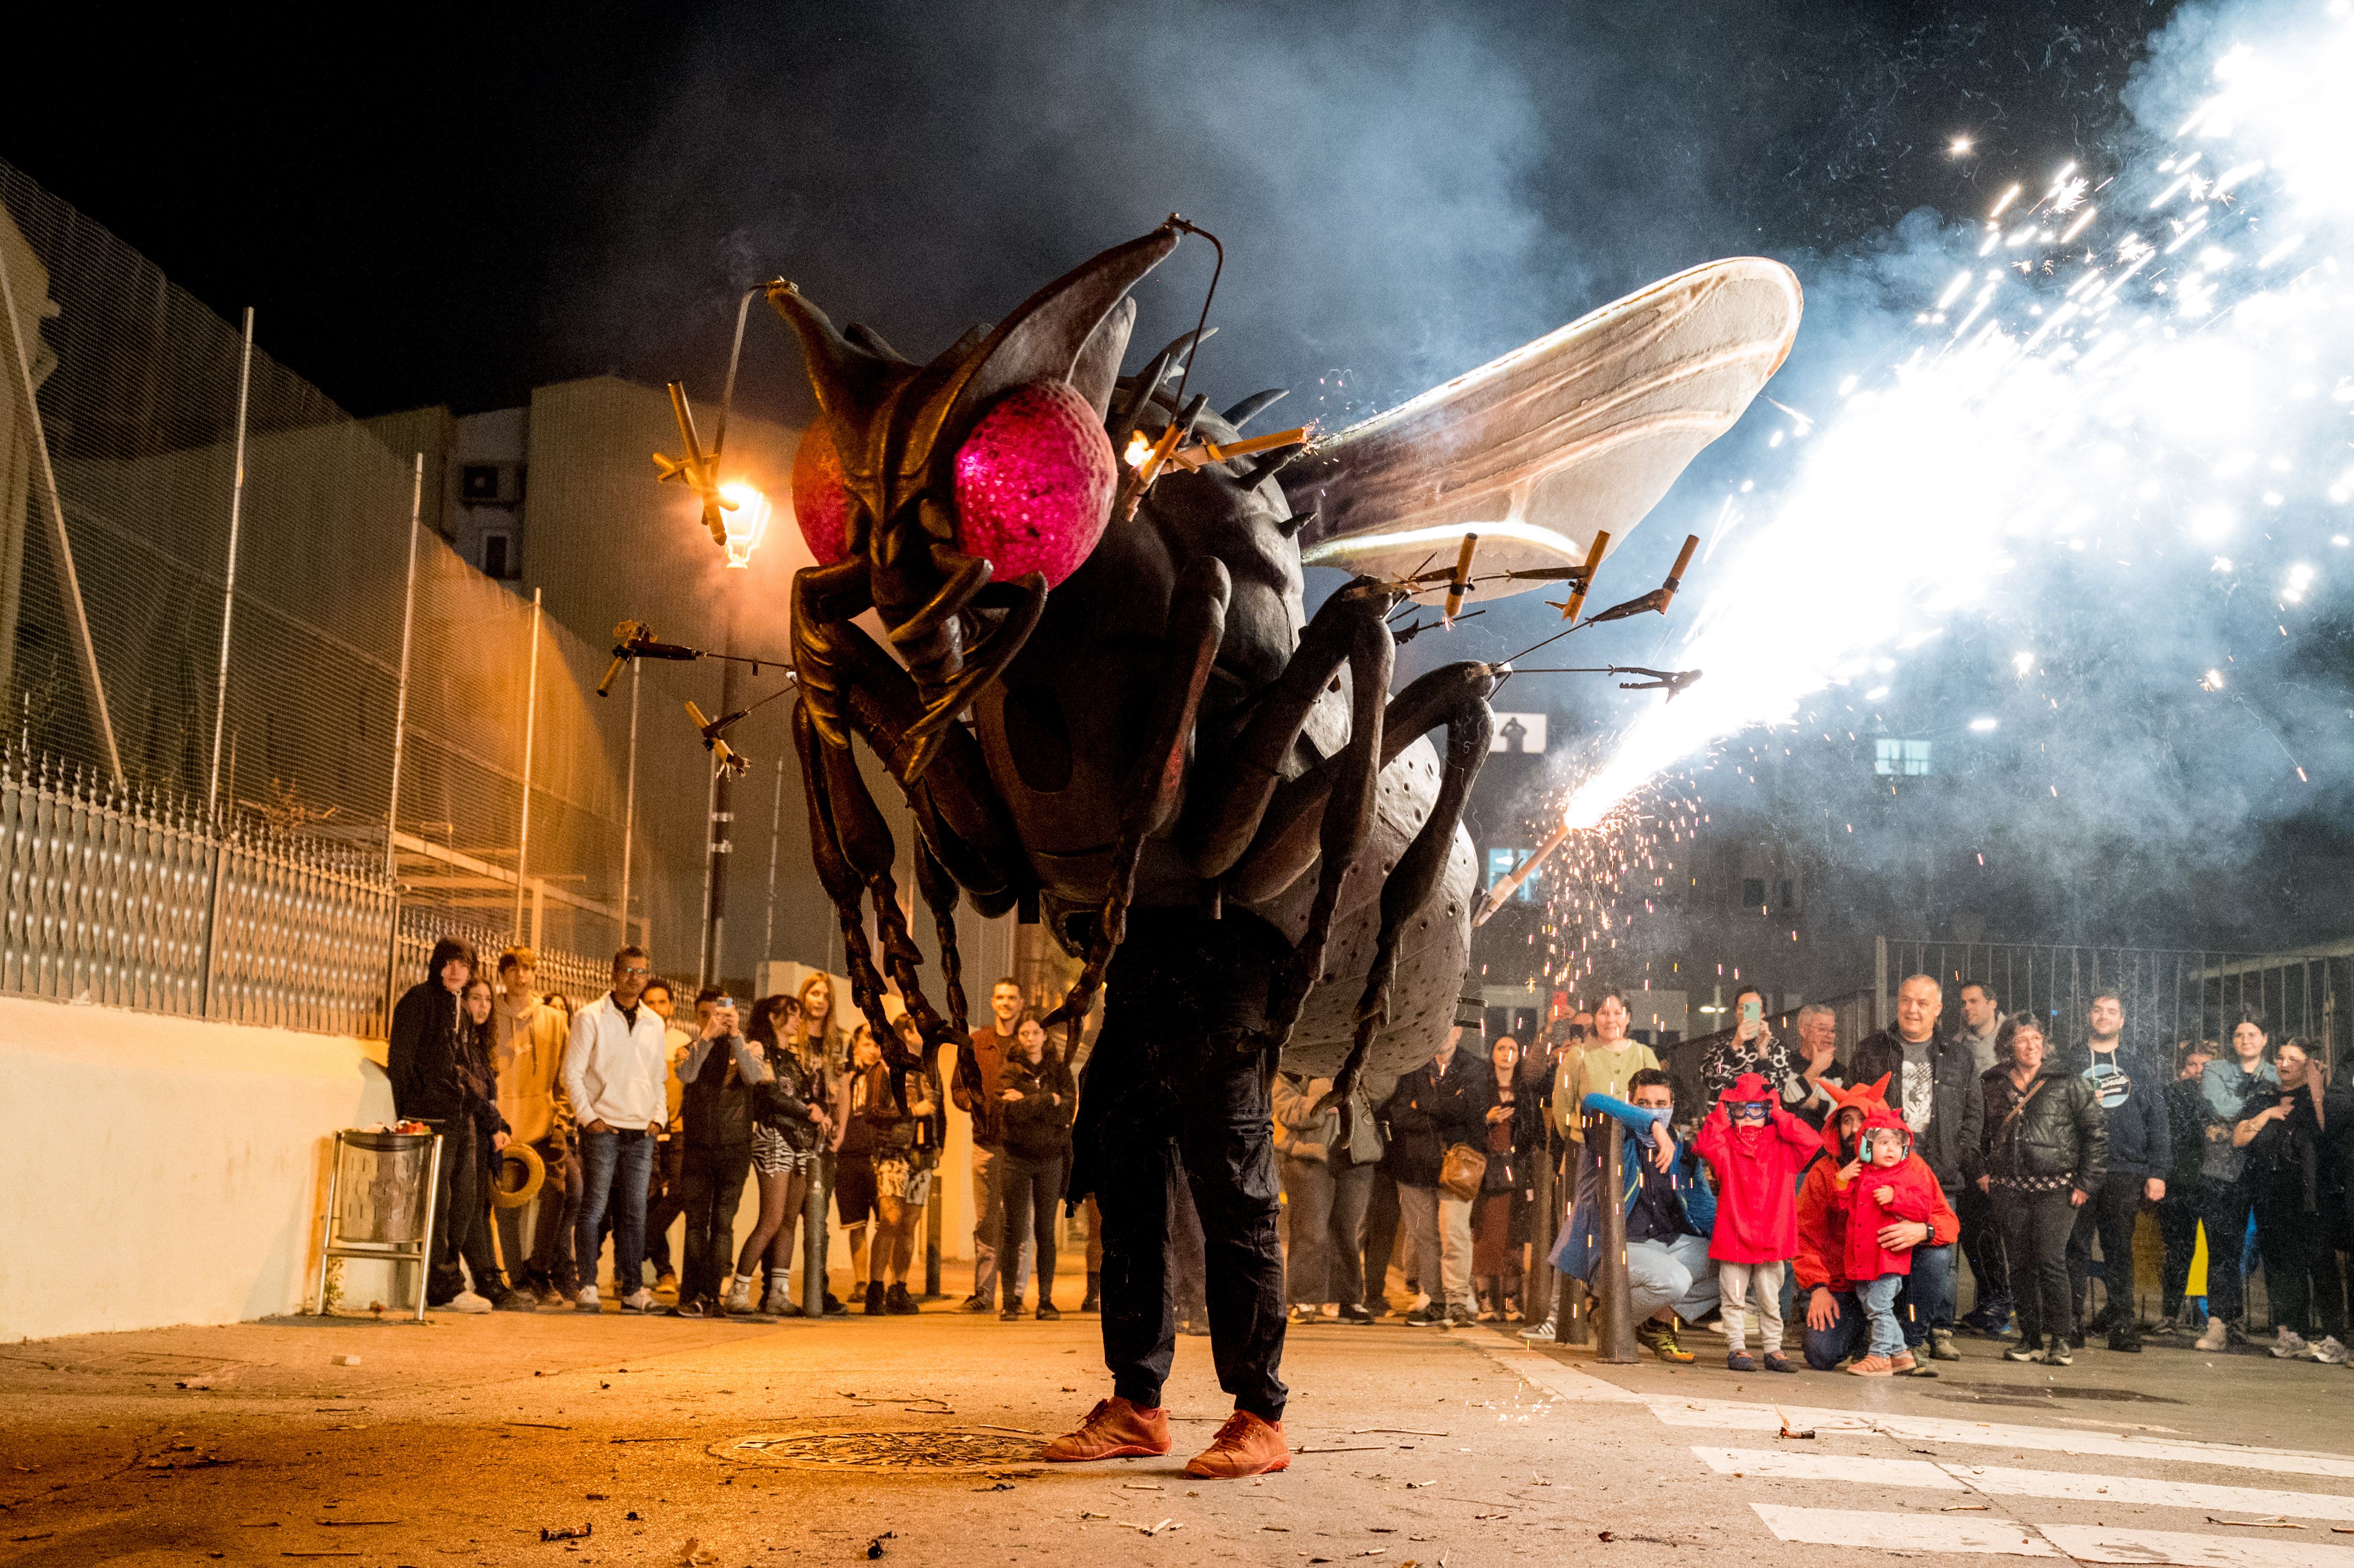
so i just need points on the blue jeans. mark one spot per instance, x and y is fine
(1917, 1301)
(614, 1170)
(1878, 1299)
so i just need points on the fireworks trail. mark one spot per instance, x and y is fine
(2140, 363)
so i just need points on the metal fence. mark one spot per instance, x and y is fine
(250, 698)
(2170, 994)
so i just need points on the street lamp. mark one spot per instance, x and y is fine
(743, 515)
(745, 518)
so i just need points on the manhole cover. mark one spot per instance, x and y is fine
(908, 1448)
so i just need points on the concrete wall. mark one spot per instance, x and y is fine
(161, 1170)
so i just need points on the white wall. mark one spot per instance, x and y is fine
(161, 1170)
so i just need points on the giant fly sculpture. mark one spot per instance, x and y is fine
(1101, 693)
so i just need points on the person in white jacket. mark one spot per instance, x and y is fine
(613, 1074)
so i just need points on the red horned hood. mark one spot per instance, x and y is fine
(1868, 1098)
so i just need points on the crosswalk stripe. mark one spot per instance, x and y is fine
(1920, 1475)
(1901, 1531)
(2101, 1543)
(2142, 1492)
(1854, 1468)
(1733, 1415)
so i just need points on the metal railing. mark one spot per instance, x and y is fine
(2170, 994)
(144, 902)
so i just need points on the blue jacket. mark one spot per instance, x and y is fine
(1580, 1246)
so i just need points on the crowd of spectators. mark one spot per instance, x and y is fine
(1814, 1205)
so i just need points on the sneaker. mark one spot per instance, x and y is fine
(549, 1296)
(1941, 1346)
(2075, 1338)
(1245, 1445)
(833, 1306)
(586, 1301)
(1738, 1361)
(1459, 1317)
(897, 1302)
(639, 1300)
(1047, 1313)
(2057, 1353)
(666, 1284)
(516, 1301)
(1660, 1340)
(2126, 1337)
(1298, 1315)
(973, 1304)
(875, 1298)
(2211, 1338)
(1979, 1319)
(1430, 1317)
(1872, 1366)
(1776, 1361)
(1542, 1333)
(738, 1302)
(466, 1301)
(1114, 1429)
(1717, 1326)
(2329, 1352)
(2288, 1345)
(1356, 1315)
(2020, 1353)
(1012, 1313)
(694, 1310)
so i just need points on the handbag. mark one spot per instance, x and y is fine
(1461, 1170)
(1500, 1177)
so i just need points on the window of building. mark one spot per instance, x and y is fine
(1901, 759)
(499, 556)
(479, 481)
(1753, 891)
(1500, 862)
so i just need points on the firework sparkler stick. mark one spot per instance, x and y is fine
(1502, 892)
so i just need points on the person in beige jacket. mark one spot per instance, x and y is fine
(1326, 1185)
(528, 1052)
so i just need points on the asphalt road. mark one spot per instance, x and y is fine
(677, 1442)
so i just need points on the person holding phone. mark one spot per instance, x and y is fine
(2291, 1175)
(717, 1076)
(1753, 1047)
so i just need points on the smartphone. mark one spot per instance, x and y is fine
(723, 1001)
(1752, 1011)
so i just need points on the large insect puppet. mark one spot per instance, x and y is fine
(1102, 691)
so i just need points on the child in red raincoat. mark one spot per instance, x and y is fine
(1888, 1182)
(1755, 1149)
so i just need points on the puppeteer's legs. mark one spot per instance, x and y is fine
(1170, 1096)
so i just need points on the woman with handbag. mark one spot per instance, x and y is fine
(1437, 1117)
(1500, 1223)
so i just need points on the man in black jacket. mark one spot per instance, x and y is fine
(1934, 1083)
(1442, 1103)
(421, 1058)
(2131, 1089)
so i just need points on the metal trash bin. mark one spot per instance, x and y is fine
(380, 1202)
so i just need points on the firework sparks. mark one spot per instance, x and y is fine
(2150, 391)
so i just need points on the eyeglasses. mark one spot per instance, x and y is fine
(633, 970)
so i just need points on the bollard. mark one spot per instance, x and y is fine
(1616, 1340)
(813, 1240)
(1541, 1284)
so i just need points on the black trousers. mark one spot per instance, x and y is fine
(2035, 1231)
(710, 1188)
(1381, 1239)
(1176, 1094)
(2178, 1222)
(461, 1222)
(1033, 1188)
(2108, 1215)
(2226, 1214)
(2301, 1277)
(665, 1201)
(1982, 1244)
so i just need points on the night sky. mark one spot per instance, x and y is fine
(468, 202)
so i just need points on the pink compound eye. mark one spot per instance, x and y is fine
(1033, 482)
(822, 502)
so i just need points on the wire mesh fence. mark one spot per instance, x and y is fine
(215, 592)
(2170, 995)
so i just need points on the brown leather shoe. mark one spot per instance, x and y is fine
(1114, 1429)
(1245, 1445)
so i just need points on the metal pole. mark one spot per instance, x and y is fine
(629, 805)
(932, 1238)
(228, 590)
(400, 743)
(813, 1240)
(68, 583)
(530, 723)
(1616, 1346)
(722, 815)
(710, 800)
(776, 836)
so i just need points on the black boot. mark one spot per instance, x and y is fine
(1093, 1301)
(2126, 1335)
(875, 1298)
